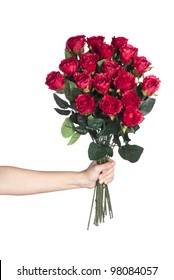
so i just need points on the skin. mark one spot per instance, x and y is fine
(19, 181)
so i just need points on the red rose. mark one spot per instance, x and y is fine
(85, 104)
(130, 97)
(110, 105)
(106, 51)
(75, 44)
(140, 64)
(118, 42)
(55, 80)
(95, 42)
(88, 61)
(124, 81)
(69, 65)
(111, 68)
(101, 82)
(83, 80)
(132, 116)
(150, 85)
(127, 52)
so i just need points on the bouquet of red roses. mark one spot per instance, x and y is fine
(104, 91)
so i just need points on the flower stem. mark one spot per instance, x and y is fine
(109, 202)
(92, 204)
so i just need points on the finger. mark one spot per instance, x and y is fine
(105, 167)
(106, 178)
(108, 171)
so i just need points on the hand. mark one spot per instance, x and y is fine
(104, 172)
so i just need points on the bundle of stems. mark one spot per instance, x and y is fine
(101, 200)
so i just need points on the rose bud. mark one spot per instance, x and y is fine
(111, 68)
(130, 97)
(150, 85)
(127, 52)
(124, 81)
(55, 80)
(101, 82)
(140, 64)
(118, 42)
(95, 42)
(110, 105)
(88, 61)
(76, 44)
(132, 116)
(83, 80)
(106, 51)
(69, 65)
(85, 104)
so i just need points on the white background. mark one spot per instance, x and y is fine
(49, 230)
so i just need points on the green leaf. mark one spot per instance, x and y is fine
(81, 119)
(112, 127)
(68, 54)
(71, 90)
(62, 112)
(73, 117)
(100, 62)
(77, 91)
(60, 102)
(67, 128)
(138, 91)
(81, 129)
(147, 105)
(132, 129)
(96, 151)
(131, 153)
(70, 86)
(74, 138)
(109, 151)
(94, 123)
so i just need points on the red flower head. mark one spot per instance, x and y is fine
(83, 80)
(88, 61)
(106, 51)
(75, 44)
(110, 105)
(69, 65)
(140, 64)
(118, 42)
(130, 97)
(55, 80)
(85, 104)
(127, 52)
(150, 85)
(124, 81)
(111, 68)
(95, 42)
(101, 82)
(132, 116)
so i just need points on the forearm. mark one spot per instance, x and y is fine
(19, 181)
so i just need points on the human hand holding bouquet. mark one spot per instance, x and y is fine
(104, 91)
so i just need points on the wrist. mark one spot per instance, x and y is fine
(84, 180)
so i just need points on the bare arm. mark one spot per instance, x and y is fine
(19, 181)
